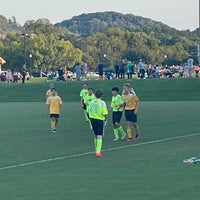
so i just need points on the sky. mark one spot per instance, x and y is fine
(180, 14)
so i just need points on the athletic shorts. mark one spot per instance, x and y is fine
(130, 116)
(83, 105)
(54, 115)
(116, 116)
(97, 126)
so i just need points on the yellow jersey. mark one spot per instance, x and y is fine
(130, 100)
(54, 103)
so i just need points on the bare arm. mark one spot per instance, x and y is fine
(136, 108)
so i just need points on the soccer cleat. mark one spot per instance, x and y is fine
(54, 131)
(130, 139)
(99, 155)
(136, 137)
(123, 137)
(115, 139)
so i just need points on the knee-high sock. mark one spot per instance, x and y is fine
(53, 124)
(116, 133)
(99, 145)
(122, 130)
(86, 116)
(129, 133)
(95, 143)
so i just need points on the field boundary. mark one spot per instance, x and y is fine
(92, 152)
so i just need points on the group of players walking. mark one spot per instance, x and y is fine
(96, 112)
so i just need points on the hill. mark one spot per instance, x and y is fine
(87, 24)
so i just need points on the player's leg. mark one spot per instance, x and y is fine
(120, 128)
(99, 136)
(129, 133)
(89, 121)
(53, 124)
(128, 124)
(115, 126)
(136, 127)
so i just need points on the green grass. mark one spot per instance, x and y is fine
(142, 170)
(147, 90)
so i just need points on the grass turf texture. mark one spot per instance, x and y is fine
(143, 172)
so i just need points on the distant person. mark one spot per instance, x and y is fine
(23, 75)
(130, 70)
(117, 71)
(77, 70)
(122, 69)
(141, 69)
(85, 70)
(54, 103)
(190, 65)
(98, 114)
(61, 74)
(196, 70)
(100, 70)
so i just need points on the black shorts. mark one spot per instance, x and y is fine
(130, 116)
(116, 117)
(97, 126)
(54, 115)
(83, 105)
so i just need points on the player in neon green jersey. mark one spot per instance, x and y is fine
(87, 99)
(117, 105)
(98, 114)
(83, 93)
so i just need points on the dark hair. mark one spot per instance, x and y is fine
(85, 83)
(90, 88)
(115, 89)
(98, 94)
(53, 88)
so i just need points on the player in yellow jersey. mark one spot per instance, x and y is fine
(131, 110)
(48, 93)
(98, 114)
(83, 94)
(54, 103)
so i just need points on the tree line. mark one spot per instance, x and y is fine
(42, 45)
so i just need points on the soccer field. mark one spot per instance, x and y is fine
(36, 164)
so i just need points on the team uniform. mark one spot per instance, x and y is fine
(54, 103)
(97, 112)
(87, 99)
(83, 94)
(131, 102)
(116, 115)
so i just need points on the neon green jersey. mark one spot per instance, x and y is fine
(88, 99)
(83, 93)
(97, 109)
(117, 100)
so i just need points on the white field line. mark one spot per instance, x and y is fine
(91, 152)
